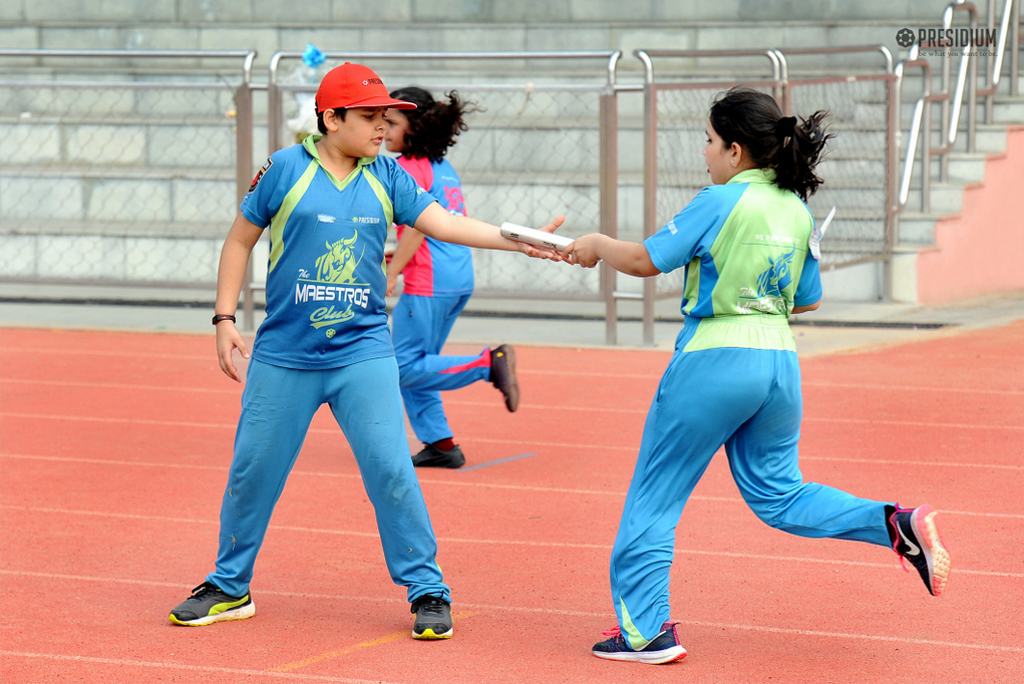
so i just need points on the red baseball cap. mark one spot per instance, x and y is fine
(354, 85)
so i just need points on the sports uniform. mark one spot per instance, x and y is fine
(325, 339)
(734, 380)
(438, 284)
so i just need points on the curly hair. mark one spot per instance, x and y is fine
(433, 125)
(790, 146)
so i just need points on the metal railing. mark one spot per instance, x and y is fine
(606, 164)
(651, 89)
(778, 81)
(111, 214)
(783, 87)
(953, 101)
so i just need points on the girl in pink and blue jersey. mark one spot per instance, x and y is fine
(438, 282)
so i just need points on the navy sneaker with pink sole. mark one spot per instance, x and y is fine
(917, 539)
(663, 648)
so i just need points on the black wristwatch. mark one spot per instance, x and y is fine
(223, 317)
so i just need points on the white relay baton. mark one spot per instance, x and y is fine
(537, 238)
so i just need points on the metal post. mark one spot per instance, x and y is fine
(273, 107)
(891, 171)
(243, 173)
(1015, 59)
(926, 157)
(990, 62)
(609, 189)
(650, 198)
(972, 93)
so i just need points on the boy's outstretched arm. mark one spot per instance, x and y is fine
(234, 257)
(462, 230)
(630, 258)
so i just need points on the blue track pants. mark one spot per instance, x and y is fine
(750, 401)
(419, 328)
(277, 407)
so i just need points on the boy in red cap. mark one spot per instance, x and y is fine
(329, 203)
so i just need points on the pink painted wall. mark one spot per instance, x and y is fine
(981, 249)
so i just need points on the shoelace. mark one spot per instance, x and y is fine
(894, 521)
(614, 632)
(200, 592)
(431, 607)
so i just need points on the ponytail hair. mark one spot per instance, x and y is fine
(789, 145)
(434, 124)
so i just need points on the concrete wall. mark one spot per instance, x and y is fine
(979, 251)
(464, 11)
(414, 25)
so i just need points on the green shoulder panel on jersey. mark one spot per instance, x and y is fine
(280, 219)
(382, 195)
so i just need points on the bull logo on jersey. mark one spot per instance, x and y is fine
(339, 264)
(777, 278)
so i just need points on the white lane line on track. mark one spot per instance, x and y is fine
(496, 542)
(856, 421)
(260, 674)
(519, 487)
(496, 485)
(75, 351)
(551, 611)
(803, 458)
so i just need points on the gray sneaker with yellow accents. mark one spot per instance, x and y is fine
(208, 604)
(433, 618)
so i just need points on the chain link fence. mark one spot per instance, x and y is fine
(132, 176)
(855, 167)
(532, 151)
(116, 178)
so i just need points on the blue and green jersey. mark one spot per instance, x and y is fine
(326, 275)
(744, 245)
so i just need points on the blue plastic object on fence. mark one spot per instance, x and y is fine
(312, 57)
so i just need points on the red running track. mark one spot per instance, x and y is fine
(114, 453)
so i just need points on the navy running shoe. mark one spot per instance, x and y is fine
(663, 648)
(208, 604)
(917, 540)
(503, 375)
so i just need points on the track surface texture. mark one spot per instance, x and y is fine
(114, 456)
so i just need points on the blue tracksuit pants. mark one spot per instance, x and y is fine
(419, 328)
(750, 401)
(277, 407)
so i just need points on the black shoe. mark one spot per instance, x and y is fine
(918, 541)
(503, 375)
(432, 457)
(433, 618)
(209, 604)
(663, 648)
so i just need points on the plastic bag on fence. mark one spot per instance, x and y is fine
(304, 122)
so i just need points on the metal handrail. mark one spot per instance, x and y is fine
(779, 72)
(608, 117)
(843, 49)
(950, 120)
(248, 56)
(921, 120)
(966, 64)
(1015, 61)
(274, 90)
(996, 61)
